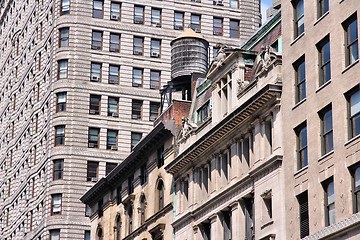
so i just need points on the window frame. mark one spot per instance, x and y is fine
(353, 118)
(114, 46)
(303, 199)
(232, 29)
(138, 49)
(57, 195)
(299, 25)
(94, 173)
(218, 26)
(327, 140)
(63, 6)
(355, 189)
(136, 81)
(176, 20)
(154, 21)
(195, 22)
(324, 63)
(108, 138)
(109, 167)
(63, 70)
(152, 115)
(139, 19)
(155, 79)
(93, 143)
(94, 104)
(134, 140)
(155, 51)
(95, 10)
(96, 44)
(59, 137)
(116, 106)
(115, 15)
(56, 232)
(329, 205)
(61, 106)
(114, 78)
(301, 146)
(348, 42)
(58, 169)
(300, 81)
(323, 7)
(95, 73)
(64, 37)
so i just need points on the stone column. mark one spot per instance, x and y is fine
(235, 220)
(191, 189)
(215, 226)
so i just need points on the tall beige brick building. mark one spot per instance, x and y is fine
(80, 86)
(320, 105)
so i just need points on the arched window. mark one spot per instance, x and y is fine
(142, 209)
(118, 227)
(160, 189)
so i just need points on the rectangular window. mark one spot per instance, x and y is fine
(203, 113)
(303, 214)
(156, 17)
(327, 143)
(115, 11)
(62, 69)
(94, 107)
(155, 48)
(64, 37)
(113, 106)
(300, 79)
(93, 137)
(60, 135)
(96, 40)
(136, 109)
(58, 169)
(351, 40)
(61, 102)
(329, 201)
(138, 46)
(110, 167)
(137, 78)
(139, 15)
(323, 7)
(98, 7)
(55, 234)
(218, 26)
(298, 17)
(92, 171)
(234, 3)
(324, 61)
(114, 74)
(95, 75)
(112, 136)
(354, 112)
(179, 20)
(87, 235)
(65, 7)
(302, 154)
(234, 28)
(56, 204)
(143, 174)
(356, 189)
(135, 138)
(154, 79)
(114, 42)
(160, 156)
(154, 110)
(195, 22)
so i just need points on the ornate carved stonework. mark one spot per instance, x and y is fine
(268, 59)
(188, 128)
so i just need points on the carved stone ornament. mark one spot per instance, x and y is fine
(219, 59)
(187, 129)
(242, 84)
(268, 58)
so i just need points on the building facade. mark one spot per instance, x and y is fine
(320, 104)
(228, 176)
(80, 87)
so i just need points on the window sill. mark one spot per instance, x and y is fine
(341, 1)
(325, 155)
(350, 66)
(267, 223)
(297, 38)
(302, 170)
(323, 86)
(352, 140)
(321, 18)
(298, 104)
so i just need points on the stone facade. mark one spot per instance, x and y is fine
(320, 173)
(47, 49)
(228, 174)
